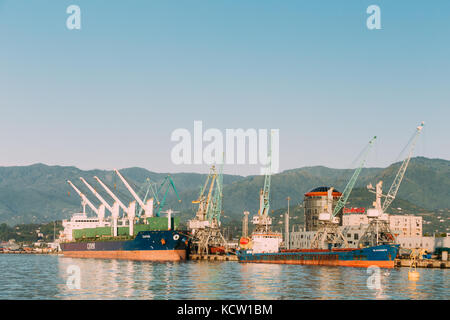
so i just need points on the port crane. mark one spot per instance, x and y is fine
(204, 202)
(167, 184)
(215, 211)
(378, 231)
(329, 233)
(401, 172)
(262, 221)
(100, 212)
(148, 206)
(205, 227)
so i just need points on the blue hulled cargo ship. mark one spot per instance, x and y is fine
(382, 256)
(168, 245)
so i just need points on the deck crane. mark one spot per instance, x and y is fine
(168, 183)
(99, 197)
(124, 208)
(329, 233)
(114, 209)
(378, 232)
(148, 207)
(130, 211)
(100, 212)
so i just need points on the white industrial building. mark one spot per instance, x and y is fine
(400, 225)
(406, 225)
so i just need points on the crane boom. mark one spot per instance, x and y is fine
(348, 189)
(149, 188)
(134, 194)
(83, 197)
(216, 209)
(124, 208)
(265, 193)
(167, 180)
(209, 198)
(401, 172)
(97, 195)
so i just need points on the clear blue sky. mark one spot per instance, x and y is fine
(109, 95)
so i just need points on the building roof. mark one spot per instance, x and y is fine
(322, 191)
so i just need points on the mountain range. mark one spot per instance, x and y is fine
(39, 193)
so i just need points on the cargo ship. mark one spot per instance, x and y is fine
(146, 244)
(264, 247)
(134, 236)
(382, 256)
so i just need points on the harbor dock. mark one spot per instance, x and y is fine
(426, 263)
(213, 257)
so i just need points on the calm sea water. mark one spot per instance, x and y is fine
(45, 277)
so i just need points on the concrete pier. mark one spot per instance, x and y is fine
(426, 263)
(213, 257)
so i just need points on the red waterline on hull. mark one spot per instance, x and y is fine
(355, 263)
(138, 255)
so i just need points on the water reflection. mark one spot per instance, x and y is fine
(45, 277)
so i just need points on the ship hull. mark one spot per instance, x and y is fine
(382, 256)
(146, 246)
(139, 255)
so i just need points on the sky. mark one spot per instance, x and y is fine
(110, 94)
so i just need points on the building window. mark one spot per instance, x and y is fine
(356, 236)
